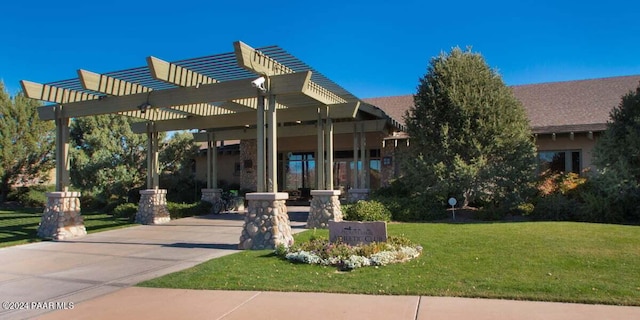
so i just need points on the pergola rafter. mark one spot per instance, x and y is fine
(55, 94)
(256, 61)
(109, 85)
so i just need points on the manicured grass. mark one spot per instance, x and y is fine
(20, 226)
(546, 261)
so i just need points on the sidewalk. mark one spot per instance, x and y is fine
(148, 303)
(96, 273)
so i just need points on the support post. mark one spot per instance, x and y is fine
(364, 158)
(329, 163)
(153, 175)
(260, 144)
(211, 193)
(320, 151)
(212, 161)
(156, 166)
(62, 151)
(354, 173)
(272, 148)
(61, 219)
(152, 208)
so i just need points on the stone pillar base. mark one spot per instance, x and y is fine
(325, 207)
(266, 223)
(358, 194)
(61, 219)
(211, 195)
(153, 207)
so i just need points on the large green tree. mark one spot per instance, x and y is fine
(178, 154)
(177, 159)
(26, 143)
(617, 158)
(470, 137)
(107, 158)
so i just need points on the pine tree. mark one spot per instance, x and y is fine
(470, 136)
(26, 143)
(619, 146)
(616, 184)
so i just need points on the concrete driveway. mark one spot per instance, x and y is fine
(100, 263)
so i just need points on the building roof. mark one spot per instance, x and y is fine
(569, 106)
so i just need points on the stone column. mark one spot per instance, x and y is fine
(153, 207)
(266, 223)
(61, 219)
(248, 161)
(325, 207)
(358, 194)
(211, 195)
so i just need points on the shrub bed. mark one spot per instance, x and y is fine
(367, 211)
(346, 257)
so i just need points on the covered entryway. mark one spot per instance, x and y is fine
(256, 95)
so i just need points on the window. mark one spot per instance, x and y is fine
(560, 161)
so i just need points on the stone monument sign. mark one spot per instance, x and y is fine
(355, 232)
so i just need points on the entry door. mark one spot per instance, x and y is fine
(299, 171)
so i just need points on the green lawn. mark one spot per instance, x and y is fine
(20, 226)
(547, 261)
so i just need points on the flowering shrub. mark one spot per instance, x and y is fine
(563, 183)
(347, 257)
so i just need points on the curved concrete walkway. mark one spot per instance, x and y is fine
(92, 278)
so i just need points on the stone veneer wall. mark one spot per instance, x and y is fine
(61, 219)
(325, 207)
(266, 223)
(387, 171)
(248, 176)
(153, 207)
(393, 170)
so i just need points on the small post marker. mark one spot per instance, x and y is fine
(452, 203)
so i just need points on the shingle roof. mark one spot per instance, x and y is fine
(570, 106)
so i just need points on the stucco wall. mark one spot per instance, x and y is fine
(581, 142)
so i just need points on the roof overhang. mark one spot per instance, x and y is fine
(592, 127)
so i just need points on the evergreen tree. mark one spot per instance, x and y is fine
(619, 146)
(177, 156)
(107, 158)
(617, 158)
(177, 159)
(470, 137)
(26, 143)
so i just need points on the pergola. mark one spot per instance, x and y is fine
(223, 96)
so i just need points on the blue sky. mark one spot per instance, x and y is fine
(372, 48)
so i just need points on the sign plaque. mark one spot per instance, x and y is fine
(354, 232)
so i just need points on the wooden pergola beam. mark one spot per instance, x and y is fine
(109, 85)
(259, 63)
(255, 61)
(293, 131)
(289, 84)
(175, 74)
(341, 111)
(118, 87)
(45, 92)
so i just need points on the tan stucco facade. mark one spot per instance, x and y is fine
(583, 142)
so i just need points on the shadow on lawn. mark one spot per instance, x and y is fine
(21, 224)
